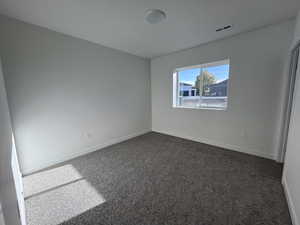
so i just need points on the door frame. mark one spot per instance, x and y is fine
(293, 67)
(18, 180)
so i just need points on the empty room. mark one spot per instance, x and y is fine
(135, 112)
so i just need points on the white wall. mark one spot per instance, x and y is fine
(250, 122)
(8, 196)
(69, 96)
(297, 31)
(1, 216)
(291, 177)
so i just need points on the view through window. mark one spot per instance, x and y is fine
(201, 86)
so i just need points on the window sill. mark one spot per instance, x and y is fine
(205, 108)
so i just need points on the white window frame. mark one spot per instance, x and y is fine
(176, 84)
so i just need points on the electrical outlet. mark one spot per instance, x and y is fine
(88, 135)
(243, 133)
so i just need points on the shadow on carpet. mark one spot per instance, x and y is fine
(156, 179)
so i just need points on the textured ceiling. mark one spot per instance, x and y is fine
(120, 23)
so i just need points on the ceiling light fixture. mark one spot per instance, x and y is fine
(154, 16)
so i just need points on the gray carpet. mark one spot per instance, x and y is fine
(157, 179)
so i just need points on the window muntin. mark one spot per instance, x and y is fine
(202, 86)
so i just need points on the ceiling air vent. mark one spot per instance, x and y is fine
(223, 28)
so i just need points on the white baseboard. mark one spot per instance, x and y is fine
(290, 203)
(85, 151)
(222, 145)
(126, 137)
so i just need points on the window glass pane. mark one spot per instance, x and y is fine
(186, 82)
(204, 86)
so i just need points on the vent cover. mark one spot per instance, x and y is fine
(223, 28)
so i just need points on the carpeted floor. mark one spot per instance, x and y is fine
(157, 179)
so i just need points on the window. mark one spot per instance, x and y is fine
(201, 86)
